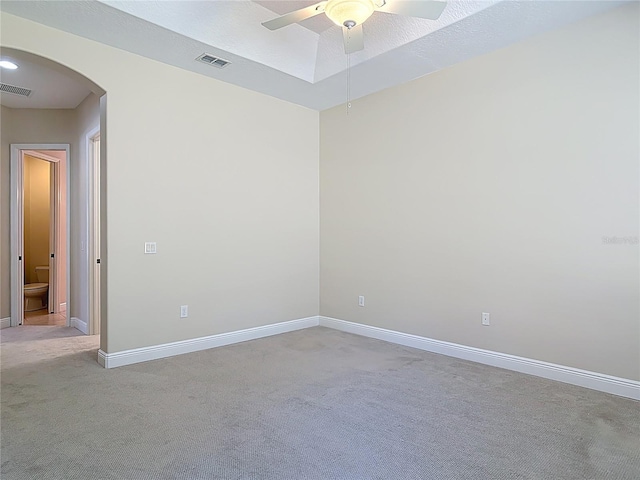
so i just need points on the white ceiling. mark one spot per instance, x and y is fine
(304, 64)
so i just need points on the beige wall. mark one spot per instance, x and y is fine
(37, 196)
(489, 187)
(225, 180)
(486, 187)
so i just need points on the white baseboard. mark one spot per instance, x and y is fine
(5, 322)
(583, 378)
(102, 360)
(80, 325)
(144, 354)
(63, 307)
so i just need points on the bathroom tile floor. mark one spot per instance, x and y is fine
(42, 317)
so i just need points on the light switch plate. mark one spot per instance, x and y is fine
(149, 247)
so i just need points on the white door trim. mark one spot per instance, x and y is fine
(54, 231)
(54, 235)
(17, 236)
(17, 221)
(41, 155)
(93, 225)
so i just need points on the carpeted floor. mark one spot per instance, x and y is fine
(311, 404)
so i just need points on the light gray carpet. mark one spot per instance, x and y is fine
(312, 404)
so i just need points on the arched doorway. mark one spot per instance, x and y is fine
(84, 139)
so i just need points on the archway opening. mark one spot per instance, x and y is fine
(72, 114)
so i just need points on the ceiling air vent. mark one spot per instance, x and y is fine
(212, 60)
(23, 92)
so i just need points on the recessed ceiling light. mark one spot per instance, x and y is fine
(8, 65)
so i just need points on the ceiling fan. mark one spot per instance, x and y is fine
(350, 15)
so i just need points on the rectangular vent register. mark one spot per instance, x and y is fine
(213, 60)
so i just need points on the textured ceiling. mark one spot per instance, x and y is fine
(50, 89)
(310, 51)
(304, 63)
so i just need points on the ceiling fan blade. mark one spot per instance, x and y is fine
(353, 39)
(295, 16)
(414, 8)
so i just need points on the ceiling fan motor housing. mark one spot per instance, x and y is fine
(349, 13)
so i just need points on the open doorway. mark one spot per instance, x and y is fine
(45, 237)
(39, 233)
(41, 225)
(44, 125)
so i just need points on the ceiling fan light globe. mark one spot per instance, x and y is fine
(341, 11)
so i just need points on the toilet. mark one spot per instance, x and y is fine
(36, 295)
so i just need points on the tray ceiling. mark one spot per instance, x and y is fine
(303, 63)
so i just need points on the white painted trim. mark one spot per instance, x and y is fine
(102, 359)
(583, 378)
(93, 228)
(54, 234)
(63, 307)
(41, 156)
(5, 322)
(17, 236)
(80, 325)
(17, 227)
(144, 354)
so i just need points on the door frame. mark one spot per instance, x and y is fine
(55, 197)
(93, 225)
(18, 151)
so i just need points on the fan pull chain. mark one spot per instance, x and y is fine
(348, 83)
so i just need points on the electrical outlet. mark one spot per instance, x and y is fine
(361, 301)
(485, 319)
(184, 311)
